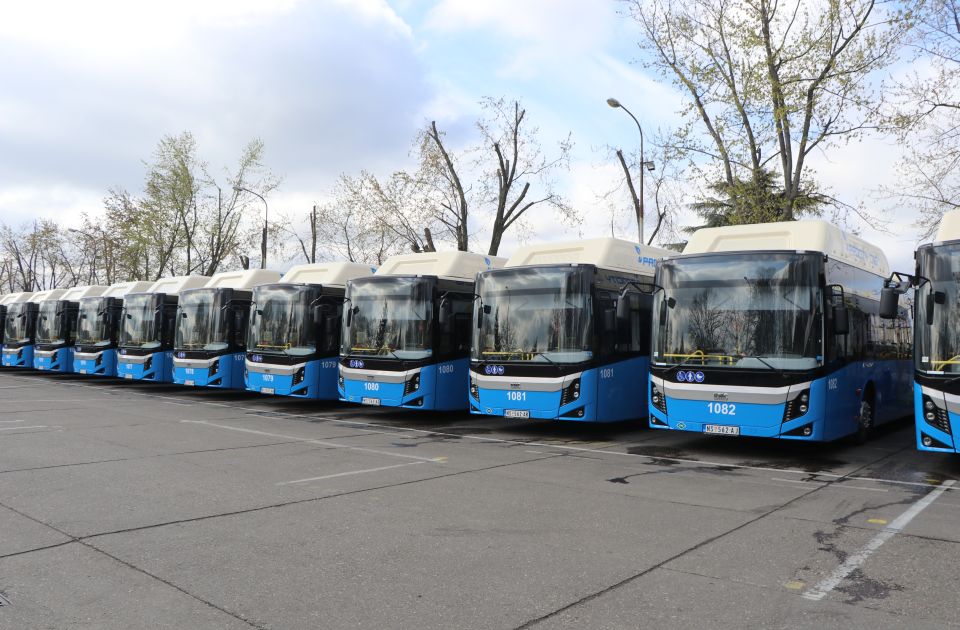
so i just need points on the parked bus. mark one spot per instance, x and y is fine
(57, 328)
(147, 329)
(773, 330)
(936, 284)
(19, 326)
(548, 344)
(98, 329)
(294, 337)
(209, 344)
(406, 331)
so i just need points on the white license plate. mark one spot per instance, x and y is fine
(370, 401)
(266, 390)
(188, 382)
(516, 413)
(83, 371)
(721, 429)
(128, 376)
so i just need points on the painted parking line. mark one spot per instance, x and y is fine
(317, 441)
(348, 473)
(36, 426)
(854, 561)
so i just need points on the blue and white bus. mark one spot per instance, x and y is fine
(773, 330)
(547, 342)
(406, 331)
(19, 329)
(98, 329)
(294, 338)
(57, 328)
(936, 386)
(147, 329)
(210, 341)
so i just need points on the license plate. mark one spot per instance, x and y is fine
(370, 401)
(721, 429)
(516, 413)
(128, 376)
(83, 371)
(266, 390)
(188, 382)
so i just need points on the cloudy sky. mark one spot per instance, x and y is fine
(331, 86)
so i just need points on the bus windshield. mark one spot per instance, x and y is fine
(140, 321)
(281, 321)
(938, 344)
(16, 325)
(49, 330)
(92, 322)
(538, 314)
(744, 310)
(391, 317)
(201, 323)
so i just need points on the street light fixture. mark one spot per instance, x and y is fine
(263, 238)
(644, 164)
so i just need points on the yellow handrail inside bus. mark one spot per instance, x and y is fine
(938, 365)
(700, 354)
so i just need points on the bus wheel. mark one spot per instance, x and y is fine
(864, 422)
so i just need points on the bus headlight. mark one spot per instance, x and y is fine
(298, 376)
(215, 367)
(340, 381)
(412, 384)
(798, 406)
(657, 398)
(474, 387)
(570, 393)
(936, 416)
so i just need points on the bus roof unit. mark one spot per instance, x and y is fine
(175, 284)
(49, 294)
(16, 298)
(949, 229)
(812, 235)
(449, 265)
(326, 274)
(120, 289)
(242, 279)
(90, 290)
(607, 253)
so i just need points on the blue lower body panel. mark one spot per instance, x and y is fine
(19, 356)
(224, 371)
(611, 393)
(101, 363)
(156, 367)
(316, 379)
(57, 360)
(441, 386)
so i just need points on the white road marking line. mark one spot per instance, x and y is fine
(9, 421)
(352, 472)
(317, 441)
(4, 401)
(819, 483)
(38, 426)
(854, 561)
(388, 428)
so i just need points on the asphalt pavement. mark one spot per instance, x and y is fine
(126, 505)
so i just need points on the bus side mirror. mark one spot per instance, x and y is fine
(623, 309)
(841, 320)
(889, 301)
(350, 312)
(610, 318)
(483, 310)
(446, 310)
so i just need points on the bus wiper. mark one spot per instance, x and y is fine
(544, 355)
(768, 364)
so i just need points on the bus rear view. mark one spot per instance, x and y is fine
(406, 331)
(773, 330)
(548, 343)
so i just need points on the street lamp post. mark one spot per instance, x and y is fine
(612, 102)
(263, 238)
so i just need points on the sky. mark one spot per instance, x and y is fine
(336, 86)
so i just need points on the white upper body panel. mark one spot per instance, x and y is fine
(16, 298)
(606, 253)
(120, 289)
(327, 274)
(77, 293)
(175, 284)
(451, 265)
(949, 229)
(49, 294)
(812, 235)
(246, 279)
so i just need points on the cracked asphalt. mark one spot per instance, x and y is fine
(128, 505)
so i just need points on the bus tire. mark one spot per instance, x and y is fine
(865, 422)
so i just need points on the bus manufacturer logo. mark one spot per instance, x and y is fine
(721, 397)
(494, 370)
(356, 363)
